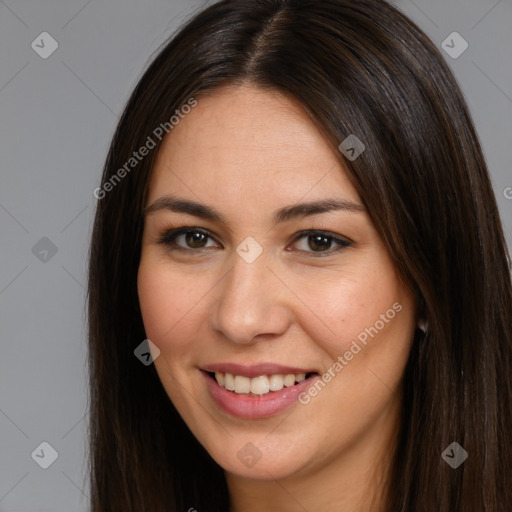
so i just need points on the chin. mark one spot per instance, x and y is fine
(260, 457)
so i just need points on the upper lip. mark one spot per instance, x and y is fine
(254, 370)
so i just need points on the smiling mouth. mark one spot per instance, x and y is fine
(257, 386)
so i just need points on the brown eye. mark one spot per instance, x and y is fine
(319, 243)
(195, 239)
(185, 239)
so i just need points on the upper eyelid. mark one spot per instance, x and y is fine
(174, 232)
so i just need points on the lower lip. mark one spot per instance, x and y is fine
(256, 406)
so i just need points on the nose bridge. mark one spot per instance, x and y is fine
(250, 301)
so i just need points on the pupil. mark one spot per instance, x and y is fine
(319, 242)
(195, 239)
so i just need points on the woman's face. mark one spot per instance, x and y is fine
(265, 284)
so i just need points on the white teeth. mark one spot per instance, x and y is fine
(276, 382)
(260, 385)
(289, 380)
(229, 382)
(242, 384)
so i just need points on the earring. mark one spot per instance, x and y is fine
(423, 325)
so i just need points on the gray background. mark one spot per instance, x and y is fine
(57, 118)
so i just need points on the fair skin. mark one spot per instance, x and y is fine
(246, 153)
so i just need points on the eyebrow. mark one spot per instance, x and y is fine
(175, 204)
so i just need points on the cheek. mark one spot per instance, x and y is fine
(368, 304)
(350, 299)
(169, 302)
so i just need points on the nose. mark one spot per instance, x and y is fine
(251, 303)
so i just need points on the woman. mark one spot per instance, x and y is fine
(296, 212)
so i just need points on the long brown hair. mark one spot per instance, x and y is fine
(358, 68)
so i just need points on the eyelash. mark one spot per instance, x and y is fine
(168, 237)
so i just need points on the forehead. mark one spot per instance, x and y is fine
(245, 145)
